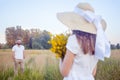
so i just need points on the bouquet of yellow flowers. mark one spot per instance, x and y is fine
(58, 43)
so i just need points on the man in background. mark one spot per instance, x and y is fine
(18, 56)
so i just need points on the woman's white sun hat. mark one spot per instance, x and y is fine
(75, 21)
(84, 19)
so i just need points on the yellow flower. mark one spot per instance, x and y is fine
(58, 43)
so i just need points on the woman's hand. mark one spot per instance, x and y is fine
(66, 64)
(94, 71)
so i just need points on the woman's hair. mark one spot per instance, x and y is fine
(86, 40)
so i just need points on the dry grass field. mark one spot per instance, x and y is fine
(37, 58)
(115, 54)
(46, 63)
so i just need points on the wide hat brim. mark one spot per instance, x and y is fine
(76, 22)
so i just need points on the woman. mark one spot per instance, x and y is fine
(86, 45)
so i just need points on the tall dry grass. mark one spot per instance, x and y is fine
(43, 65)
(39, 65)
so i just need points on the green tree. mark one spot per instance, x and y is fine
(41, 40)
(33, 38)
(13, 33)
(10, 36)
(118, 46)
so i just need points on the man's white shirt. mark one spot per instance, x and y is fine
(18, 51)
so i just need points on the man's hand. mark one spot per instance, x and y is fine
(23, 57)
(13, 58)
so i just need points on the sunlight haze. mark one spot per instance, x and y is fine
(41, 14)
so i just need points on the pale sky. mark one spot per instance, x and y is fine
(41, 14)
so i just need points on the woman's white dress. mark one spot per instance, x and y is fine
(83, 64)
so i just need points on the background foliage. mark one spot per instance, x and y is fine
(31, 39)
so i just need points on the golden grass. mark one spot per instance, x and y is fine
(39, 58)
(46, 62)
(115, 54)
(39, 65)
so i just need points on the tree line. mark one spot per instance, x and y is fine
(117, 46)
(31, 38)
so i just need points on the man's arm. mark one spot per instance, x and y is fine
(13, 55)
(24, 54)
